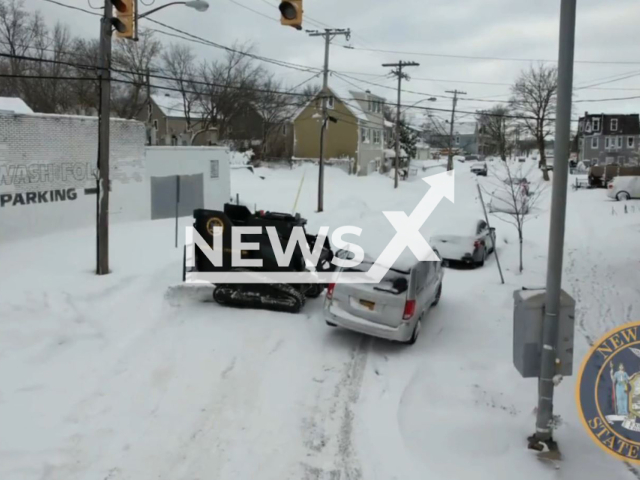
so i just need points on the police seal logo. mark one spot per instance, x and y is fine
(608, 392)
(215, 222)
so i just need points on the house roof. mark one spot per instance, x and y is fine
(349, 99)
(14, 104)
(465, 128)
(628, 124)
(173, 106)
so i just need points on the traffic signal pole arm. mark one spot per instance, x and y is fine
(199, 5)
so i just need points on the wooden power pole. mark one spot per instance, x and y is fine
(328, 34)
(401, 75)
(451, 127)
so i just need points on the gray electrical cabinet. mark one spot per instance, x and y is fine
(528, 315)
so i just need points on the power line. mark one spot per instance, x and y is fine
(254, 11)
(470, 57)
(196, 39)
(74, 8)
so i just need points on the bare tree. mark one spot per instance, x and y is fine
(19, 30)
(179, 63)
(49, 93)
(309, 92)
(512, 197)
(229, 91)
(136, 59)
(86, 93)
(534, 98)
(276, 109)
(495, 126)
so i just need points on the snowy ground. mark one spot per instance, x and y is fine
(113, 378)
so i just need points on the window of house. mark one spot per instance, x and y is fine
(377, 137)
(630, 142)
(610, 160)
(457, 140)
(365, 135)
(619, 142)
(594, 142)
(607, 142)
(594, 162)
(155, 124)
(614, 124)
(596, 124)
(621, 160)
(330, 103)
(284, 129)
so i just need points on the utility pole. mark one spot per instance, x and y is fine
(401, 75)
(453, 119)
(104, 66)
(149, 108)
(544, 417)
(328, 34)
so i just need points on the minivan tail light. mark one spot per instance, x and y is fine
(330, 290)
(409, 309)
(611, 185)
(476, 244)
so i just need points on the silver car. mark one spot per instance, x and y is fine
(392, 309)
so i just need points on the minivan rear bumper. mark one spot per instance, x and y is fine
(334, 314)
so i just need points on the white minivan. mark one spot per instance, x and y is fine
(624, 188)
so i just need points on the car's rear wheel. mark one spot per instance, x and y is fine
(484, 257)
(438, 295)
(415, 334)
(623, 196)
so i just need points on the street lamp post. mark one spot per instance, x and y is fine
(107, 24)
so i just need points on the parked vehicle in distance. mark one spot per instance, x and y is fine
(394, 308)
(624, 188)
(522, 159)
(471, 158)
(467, 240)
(601, 175)
(479, 168)
(503, 201)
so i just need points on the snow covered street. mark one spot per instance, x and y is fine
(123, 377)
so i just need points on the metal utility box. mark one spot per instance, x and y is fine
(528, 315)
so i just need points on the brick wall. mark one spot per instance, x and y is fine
(47, 173)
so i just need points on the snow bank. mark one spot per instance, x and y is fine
(240, 158)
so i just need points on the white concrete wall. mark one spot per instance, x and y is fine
(47, 163)
(171, 161)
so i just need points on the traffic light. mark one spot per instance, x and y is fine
(126, 22)
(291, 11)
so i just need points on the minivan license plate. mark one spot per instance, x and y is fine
(367, 304)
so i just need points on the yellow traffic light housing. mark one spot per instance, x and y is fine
(291, 13)
(126, 18)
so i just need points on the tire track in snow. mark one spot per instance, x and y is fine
(328, 431)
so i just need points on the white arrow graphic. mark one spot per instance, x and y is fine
(408, 228)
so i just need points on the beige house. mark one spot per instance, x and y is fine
(356, 130)
(167, 123)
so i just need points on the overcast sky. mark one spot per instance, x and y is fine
(523, 29)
